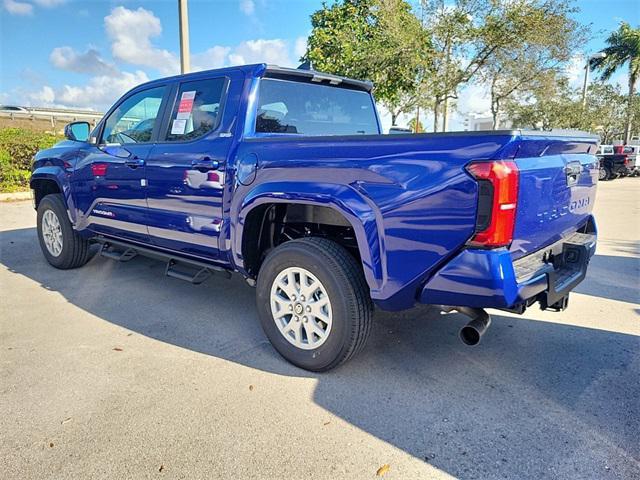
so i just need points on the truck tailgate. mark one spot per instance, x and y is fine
(557, 188)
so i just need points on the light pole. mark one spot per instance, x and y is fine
(586, 76)
(183, 14)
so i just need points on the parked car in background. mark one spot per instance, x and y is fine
(399, 130)
(612, 165)
(605, 150)
(13, 108)
(631, 153)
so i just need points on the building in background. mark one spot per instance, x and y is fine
(475, 122)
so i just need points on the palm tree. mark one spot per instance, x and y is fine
(623, 47)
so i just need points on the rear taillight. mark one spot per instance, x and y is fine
(213, 177)
(99, 169)
(497, 202)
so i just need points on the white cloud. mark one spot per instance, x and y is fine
(17, 8)
(43, 97)
(214, 57)
(300, 47)
(248, 7)
(256, 51)
(101, 91)
(49, 3)
(66, 58)
(131, 32)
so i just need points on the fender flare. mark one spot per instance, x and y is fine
(360, 213)
(57, 175)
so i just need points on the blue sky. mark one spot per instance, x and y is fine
(87, 53)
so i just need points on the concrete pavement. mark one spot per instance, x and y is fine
(115, 371)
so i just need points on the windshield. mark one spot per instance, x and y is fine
(289, 107)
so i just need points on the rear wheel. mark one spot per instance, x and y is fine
(60, 243)
(609, 174)
(313, 303)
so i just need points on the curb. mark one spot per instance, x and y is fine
(16, 196)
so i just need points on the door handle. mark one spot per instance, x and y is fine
(205, 164)
(135, 162)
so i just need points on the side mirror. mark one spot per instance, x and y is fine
(77, 131)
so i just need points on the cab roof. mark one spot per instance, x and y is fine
(274, 71)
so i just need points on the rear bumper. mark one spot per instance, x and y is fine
(491, 279)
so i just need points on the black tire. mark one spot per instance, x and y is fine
(610, 175)
(75, 249)
(351, 306)
(602, 174)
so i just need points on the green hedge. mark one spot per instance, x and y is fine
(17, 148)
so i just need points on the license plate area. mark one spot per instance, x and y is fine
(569, 269)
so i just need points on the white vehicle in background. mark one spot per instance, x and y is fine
(13, 109)
(605, 150)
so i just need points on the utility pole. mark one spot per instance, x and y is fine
(183, 14)
(587, 67)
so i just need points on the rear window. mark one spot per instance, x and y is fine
(286, 107)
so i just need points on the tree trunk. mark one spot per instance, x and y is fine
(495, 103)
(632, 88)
(495, 113)
(394, 118)
(436, 114)
(445, 114)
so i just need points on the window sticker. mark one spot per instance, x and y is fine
(186, 105)
(178, 126)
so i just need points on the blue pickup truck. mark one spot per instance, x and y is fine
(284, 176)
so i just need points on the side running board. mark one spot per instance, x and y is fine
(108, 251)
(185, 269)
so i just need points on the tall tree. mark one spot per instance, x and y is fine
(547, 37)
(551, 104)
(623, 47)
(378, 40)
(465, 35)
(415, 125)
(602, 113)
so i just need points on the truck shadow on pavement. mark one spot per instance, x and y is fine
(566, 396)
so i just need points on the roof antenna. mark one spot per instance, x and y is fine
(306, 65)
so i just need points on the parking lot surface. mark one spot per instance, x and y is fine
(115, 371)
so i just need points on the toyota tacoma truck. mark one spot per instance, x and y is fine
(283, 176)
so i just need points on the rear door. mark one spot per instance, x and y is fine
(186, 169)
(109, 180)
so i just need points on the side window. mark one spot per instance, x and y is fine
(196, 110)
(133, 120)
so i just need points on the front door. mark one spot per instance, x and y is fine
(110, 178)
(185, 170)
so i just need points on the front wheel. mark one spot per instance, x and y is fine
(60, 243)
(313, 303)
(602, 174)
